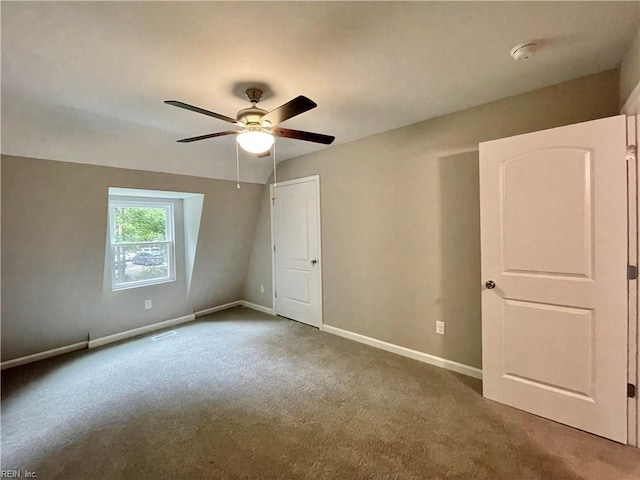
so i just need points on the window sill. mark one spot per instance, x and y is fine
(129, 286)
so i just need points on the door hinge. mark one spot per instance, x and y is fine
(273, 200)
(632, 152)
(632, 272)
(275, 294)
(631, 390)
(274, 248)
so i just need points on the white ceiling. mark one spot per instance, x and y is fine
(85, 81)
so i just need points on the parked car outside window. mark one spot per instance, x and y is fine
(148, 258)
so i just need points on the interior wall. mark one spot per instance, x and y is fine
(54, 227)
(401, 218)
(630, 69)
(260, 262)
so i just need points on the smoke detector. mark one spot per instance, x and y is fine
(523, 51)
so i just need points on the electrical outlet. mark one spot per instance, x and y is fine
(261, 288)
(440, 327)
(147, 304)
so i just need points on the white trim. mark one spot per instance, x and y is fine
(237, 303)
(320, 261)
(170, 238)
(274, 286)
(34, 357)
(255, 306)
(632, 209)
(116, 337)
(632, 105)
(225, 306)
(294, 181)
(633, 136)
(406, 352)
(129, 333)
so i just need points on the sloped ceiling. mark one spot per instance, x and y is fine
(85, 81)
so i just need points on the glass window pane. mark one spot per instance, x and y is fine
(136, 263)
(139, 224)
(142, 249)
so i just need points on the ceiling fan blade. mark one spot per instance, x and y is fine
(299, 135)
(186, 106)
(210, 135)
(290, 109)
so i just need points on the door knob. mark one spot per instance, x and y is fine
(314, 261)
(490, 284)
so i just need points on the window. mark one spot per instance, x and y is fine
(142, 246)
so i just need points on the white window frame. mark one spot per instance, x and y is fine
(169, 241)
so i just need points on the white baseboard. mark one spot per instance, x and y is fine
(255, 306)
(406, 352)
(116, 337)
(42, 355)
(176, 321)
(237, 303)
(225, 306)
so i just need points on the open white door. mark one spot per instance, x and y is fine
(554, 256)
(296, 239)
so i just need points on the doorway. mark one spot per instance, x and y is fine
(296, 250)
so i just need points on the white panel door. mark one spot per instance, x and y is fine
(296, 236)
(554, 244)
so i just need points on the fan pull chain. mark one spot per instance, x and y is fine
(238, 165)
(275, 176)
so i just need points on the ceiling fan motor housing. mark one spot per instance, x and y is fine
(253, 94)
(251, 115)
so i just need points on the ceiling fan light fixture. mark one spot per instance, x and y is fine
(254, 141)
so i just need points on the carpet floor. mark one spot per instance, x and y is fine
(240, 394)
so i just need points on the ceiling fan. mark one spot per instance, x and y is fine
(258, 127)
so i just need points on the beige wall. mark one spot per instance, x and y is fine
(400, 218)
(54, 223)
(630, 69)
(261, 258)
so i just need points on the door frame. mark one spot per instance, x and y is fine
(316, 180)
(631, 109)
(633, 372)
